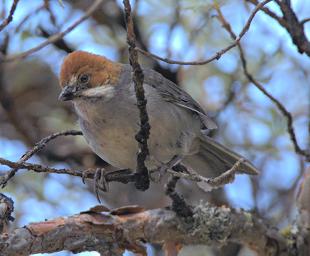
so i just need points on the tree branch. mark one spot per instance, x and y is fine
(259, 86)
(114, 231)
(218, 54)
(290, 22)
(123, 176)
(37, 147)
(55, 37)
(143, 181)
(10, 17)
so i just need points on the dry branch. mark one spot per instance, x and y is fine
(55, 37)
(37, 147)
(123, 176)
(218, 54)
(143, 181)
(112, 232)
(290, 22)
(10, 16)
(259, 86)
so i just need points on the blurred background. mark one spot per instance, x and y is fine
(248, 121)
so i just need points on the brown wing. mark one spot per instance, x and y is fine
(173, 93)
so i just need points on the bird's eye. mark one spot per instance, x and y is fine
(84, 78)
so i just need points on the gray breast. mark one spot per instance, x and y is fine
(110, 126)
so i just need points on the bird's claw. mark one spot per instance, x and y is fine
(85, 174)
(100, 182)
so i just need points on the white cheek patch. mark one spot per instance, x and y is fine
(107, 92)
(73, 80)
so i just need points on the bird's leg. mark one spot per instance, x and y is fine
(166, 166)
(100, 182)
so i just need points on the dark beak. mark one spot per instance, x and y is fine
(67, 93)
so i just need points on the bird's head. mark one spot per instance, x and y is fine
(87, 75)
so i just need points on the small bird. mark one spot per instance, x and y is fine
(104, 98)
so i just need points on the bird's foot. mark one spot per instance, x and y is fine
(100, 182)
(86, 174)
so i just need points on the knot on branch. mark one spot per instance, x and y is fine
(142, 180)
(215, 219)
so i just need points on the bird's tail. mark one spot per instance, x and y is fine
(213, 159)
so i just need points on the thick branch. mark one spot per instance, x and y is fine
(112, 232)
(290, 22)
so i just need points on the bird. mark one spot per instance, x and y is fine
(104, 99)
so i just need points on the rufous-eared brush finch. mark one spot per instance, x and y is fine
(104, 98)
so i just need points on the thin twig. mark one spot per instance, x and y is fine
(51, 14)
(304, 21)
(30, 14)
(216, 182)
(142, 136)
(123, 176)
(290, 22)
(55, 37)
(60, 44)
(37, 147)
(279, 105)
(10, 16)
(270, 13)
(218, 54)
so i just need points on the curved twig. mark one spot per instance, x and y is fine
(55, 37)
(218, 54)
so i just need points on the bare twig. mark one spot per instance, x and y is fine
(51, 14)
(55, 37)
(30, 14)
(216, 182)
(123, 176)
(290, 22)
(37, 147)
(142, 136)
(10, 16)
(60, 44)
(279, 105)
(269, 12)
(218, 54)
(304, 21)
